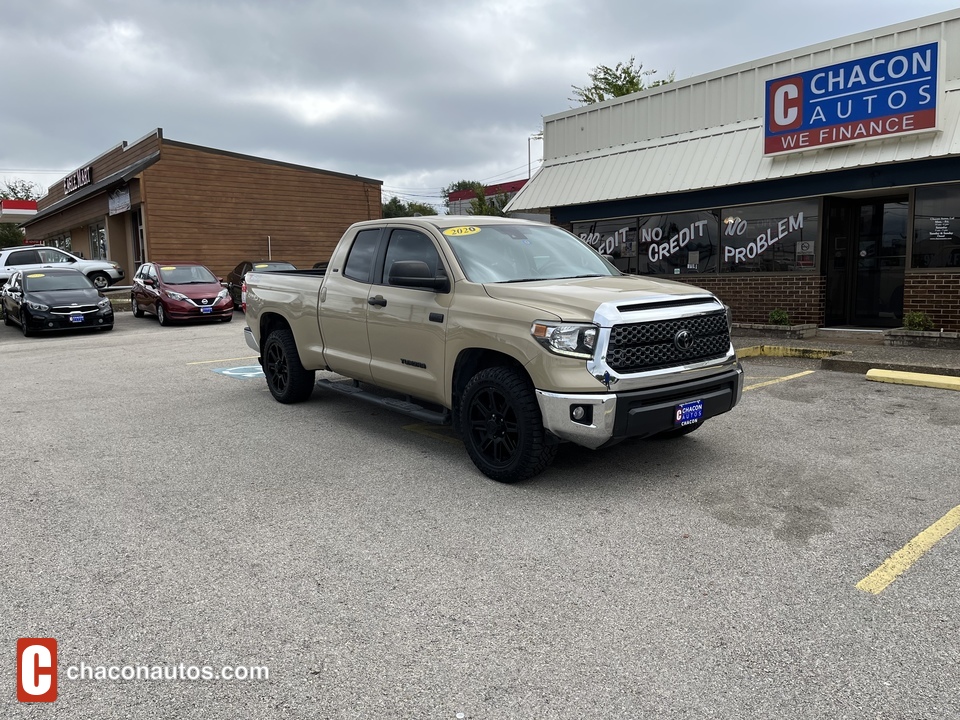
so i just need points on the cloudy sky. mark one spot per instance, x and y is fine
(416, 93)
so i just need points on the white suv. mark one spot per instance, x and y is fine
(102, 273)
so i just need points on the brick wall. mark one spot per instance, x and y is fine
(752, 297)
(936, 294)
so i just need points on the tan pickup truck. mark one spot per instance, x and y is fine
(516, 333)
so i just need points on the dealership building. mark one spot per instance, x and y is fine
(823, 181)
(168, 201)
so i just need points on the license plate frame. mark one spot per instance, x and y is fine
(688, 413)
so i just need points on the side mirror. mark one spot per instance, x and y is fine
(416, 274)
(149, 282)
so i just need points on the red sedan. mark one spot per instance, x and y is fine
(180, 291)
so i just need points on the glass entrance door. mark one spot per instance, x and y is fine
(866, 257)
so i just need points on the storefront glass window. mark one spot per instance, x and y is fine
(678, 244)
(776, 237)
(936, 227)
(616, 238)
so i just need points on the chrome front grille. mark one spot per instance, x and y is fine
(73, 309)
(639, 347)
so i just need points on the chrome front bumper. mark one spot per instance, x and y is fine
(639, 413)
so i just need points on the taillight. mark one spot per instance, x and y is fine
(243, 296)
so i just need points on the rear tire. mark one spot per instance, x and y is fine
(502, 427)
(288, 380)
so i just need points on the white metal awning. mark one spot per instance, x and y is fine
(716, 157)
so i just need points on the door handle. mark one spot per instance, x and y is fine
(378, 301)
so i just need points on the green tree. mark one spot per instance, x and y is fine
(621, 79)
(395, 207)
(474, 185)
(10, 234)
(492, 205)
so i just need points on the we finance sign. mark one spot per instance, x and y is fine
(853, 101)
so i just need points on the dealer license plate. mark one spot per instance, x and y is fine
(688, 413)
(76, 318)
(206, 310)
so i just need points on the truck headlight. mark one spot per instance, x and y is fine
(570, 339)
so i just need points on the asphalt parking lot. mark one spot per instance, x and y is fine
(159, 509)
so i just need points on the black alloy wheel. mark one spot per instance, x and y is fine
(288, 380)
(502, 427)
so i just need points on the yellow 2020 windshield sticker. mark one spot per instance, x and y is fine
(168, 267)
(465, 230)
(33, 275)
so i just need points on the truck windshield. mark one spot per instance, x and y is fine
(518, 253)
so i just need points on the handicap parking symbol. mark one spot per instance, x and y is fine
(244, 372)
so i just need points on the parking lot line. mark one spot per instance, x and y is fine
(205, 362)
(900, 561)
(780, 380)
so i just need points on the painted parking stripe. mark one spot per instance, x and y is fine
(208, 362)
(898, 563)
(779, 380)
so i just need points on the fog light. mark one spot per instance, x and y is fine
(581, 414)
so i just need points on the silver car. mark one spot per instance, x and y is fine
(102, 273)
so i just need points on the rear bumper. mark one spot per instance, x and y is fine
(251, 340)
(609, 417)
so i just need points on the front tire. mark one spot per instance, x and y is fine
(162, 314)
(23, 324)
(288, 380)
(6, 317)
(502, 427)
(135, 307)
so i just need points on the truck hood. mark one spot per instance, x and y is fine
(577, 299)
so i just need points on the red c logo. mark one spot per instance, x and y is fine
(36, 669)
(785, 105)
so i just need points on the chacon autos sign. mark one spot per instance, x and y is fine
(877, 96)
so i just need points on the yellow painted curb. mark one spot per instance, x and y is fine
(782, 351)
(944, 382)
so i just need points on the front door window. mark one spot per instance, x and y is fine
(98, 241)
(865, 262)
